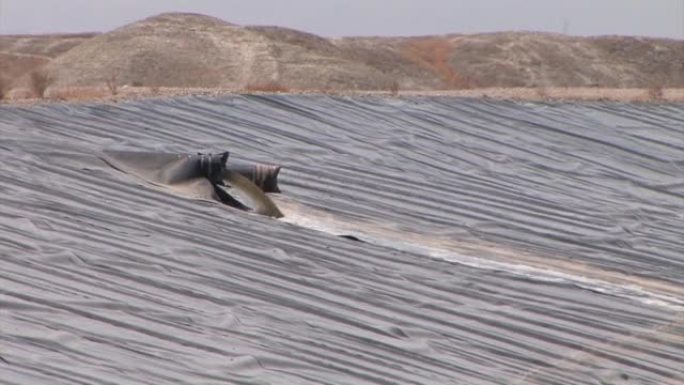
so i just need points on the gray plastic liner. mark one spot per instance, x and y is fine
(503, 243)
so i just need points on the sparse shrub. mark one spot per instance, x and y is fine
(394, 88)
(655, 93)
(542, 93)
(112, 85)
(137, 83)
(4, 87)
(271, 86)
(39, 81)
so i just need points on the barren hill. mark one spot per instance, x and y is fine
(190, 50)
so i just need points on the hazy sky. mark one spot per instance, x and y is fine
(662, 18)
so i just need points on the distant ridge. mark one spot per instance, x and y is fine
(193, 50)
(190, 50)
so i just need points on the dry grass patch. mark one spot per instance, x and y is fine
(78, 93)
(266, 87)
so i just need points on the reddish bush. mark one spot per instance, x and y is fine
(433, 54)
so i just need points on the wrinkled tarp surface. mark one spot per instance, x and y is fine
(501, 243)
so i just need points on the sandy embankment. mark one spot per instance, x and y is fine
(102, 94)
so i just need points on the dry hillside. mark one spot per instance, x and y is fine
(190, 50)
(42, 45)
(23, 53)
(532, 59)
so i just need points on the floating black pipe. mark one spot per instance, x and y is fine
(249, 180)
